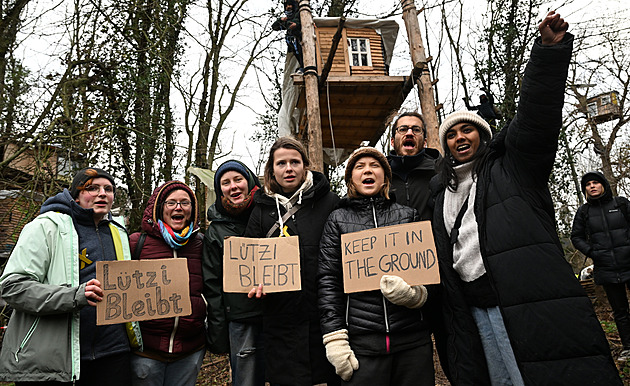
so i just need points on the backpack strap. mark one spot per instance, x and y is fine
(138, 249)
(286, 216)
(458, 222)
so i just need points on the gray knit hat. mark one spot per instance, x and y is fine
(458, 117)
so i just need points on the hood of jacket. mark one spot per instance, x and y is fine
(597, 176)
(64, 203)
(153, 211)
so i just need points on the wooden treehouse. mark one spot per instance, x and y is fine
(345, 95)
(604, 107)
(356, 92)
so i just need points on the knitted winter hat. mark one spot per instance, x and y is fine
(85, 175)
(239, 167)
(458, 117)
(590, 176)
(367, 152)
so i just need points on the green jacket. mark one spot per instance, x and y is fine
(223, 307)
(41, 283)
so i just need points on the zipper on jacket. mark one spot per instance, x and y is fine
(27, 337)
(407, 192)
(171, 341)
(374, 212)
(382, 296)
(96, 330)
(385, 314)
(347, 309)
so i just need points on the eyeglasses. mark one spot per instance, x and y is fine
(170, 204)
(404, 129)
(94, 190)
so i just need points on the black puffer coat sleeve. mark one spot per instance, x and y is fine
(330, 277)
(532, 137)
(579, 237)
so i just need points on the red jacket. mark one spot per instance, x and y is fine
(181, 335)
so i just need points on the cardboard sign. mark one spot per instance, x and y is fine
(405, 250)
(136, 290)
(272, 262)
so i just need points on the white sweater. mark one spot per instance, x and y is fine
(467, 260)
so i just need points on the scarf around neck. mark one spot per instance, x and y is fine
(175, 240)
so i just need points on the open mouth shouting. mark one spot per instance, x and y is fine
(368, 182)
(463, 148)
(463, 141)
(409, 144)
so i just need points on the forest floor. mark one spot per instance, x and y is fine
(216, 369)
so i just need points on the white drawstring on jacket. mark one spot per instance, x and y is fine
(280, 215)
(374, 213)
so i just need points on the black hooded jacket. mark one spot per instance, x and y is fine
(291, 329)
(225, 307)
(601, 231)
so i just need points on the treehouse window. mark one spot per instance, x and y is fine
(591, 109)
(359, 52)
(605, 99)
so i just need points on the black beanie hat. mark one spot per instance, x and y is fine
(85, 175)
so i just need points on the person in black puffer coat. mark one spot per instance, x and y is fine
(372, 337)
(294, 352)
(601, 231)
(513, 309)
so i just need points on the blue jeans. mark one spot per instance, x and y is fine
(500, 358)
(246, 354)
(151, 372)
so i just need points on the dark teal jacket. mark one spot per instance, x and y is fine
(223, 307)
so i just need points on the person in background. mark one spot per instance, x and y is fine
(601, 231)
(50, 281)
(234, 320)
(296, 201)
(372, 337)
(173, 347)
(292, 24)
(413, 165)
(486, 109)
(514, 310)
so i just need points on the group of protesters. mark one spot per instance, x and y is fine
(508, 309)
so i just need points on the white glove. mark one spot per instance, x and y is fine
(397, 291)
(340, 354)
